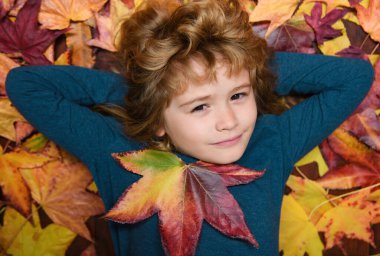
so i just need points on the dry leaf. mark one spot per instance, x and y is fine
(76, 39)
(277, 12)
(60, 189)
(57, 14)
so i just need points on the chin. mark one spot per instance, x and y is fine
(224, 160)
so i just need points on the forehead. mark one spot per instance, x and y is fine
(198, 72)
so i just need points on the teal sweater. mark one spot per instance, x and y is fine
(55, 99)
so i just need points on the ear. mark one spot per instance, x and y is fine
(160, 132)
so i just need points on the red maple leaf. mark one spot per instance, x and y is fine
(183, 196)
(23, 37)
(323, 26)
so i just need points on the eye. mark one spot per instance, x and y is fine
(238, 96)
(199, 108)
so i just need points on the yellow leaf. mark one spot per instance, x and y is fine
(63, 59)
(76, 39)
(358, 213)
(19, 237)
(377, 112)
(277, 12)
(314, 156)
(331, 47)
(310, 195)
(57, 14)
(297, 234)
(8, 116)
(6, 64)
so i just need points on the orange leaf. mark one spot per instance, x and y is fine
(6, 64)
(11, 181)
(60, 189)
(277, 12)
(8, 116)
(76, 39)
(57, 14)
(183, 195)
(369, 18)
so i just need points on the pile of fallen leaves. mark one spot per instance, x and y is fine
(340, 203)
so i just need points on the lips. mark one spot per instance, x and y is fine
(229, 142)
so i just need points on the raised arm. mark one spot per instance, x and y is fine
(337, 85)
(56, 101)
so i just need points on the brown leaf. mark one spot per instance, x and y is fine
(76, 39)
(60, 189)
(57, 14)
(11, 181)
(8, 116)
(6, 64)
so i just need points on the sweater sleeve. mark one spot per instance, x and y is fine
(56, 101)
(337, 86)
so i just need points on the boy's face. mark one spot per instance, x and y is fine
(212, 121)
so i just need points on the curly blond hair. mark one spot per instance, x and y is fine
(158, 43)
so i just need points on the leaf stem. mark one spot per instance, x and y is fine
(19, 230)
(365, 40)
(374, 49)
(340, 196)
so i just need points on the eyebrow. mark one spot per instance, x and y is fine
(202, 98)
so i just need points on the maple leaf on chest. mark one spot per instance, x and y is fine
(182, 195)
(23, 38)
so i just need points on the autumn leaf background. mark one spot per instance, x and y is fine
(332, 201)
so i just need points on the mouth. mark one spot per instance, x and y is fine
(229, 142)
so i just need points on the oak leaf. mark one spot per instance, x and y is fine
(298, 235)
(76, 39)
(19, 237)
(323, 26)
(369, 18)
(277, 12)
(23, 38)
(356, 224)
(183, 195)
(60, 189)
(11, 181)
(57, 14)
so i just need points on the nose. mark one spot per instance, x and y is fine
(226, 119)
